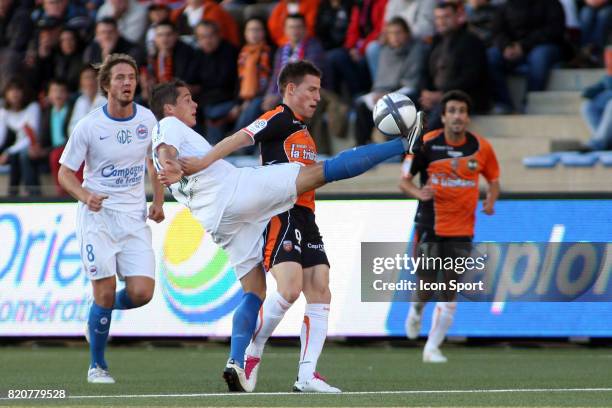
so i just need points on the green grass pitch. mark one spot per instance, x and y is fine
(371, 376)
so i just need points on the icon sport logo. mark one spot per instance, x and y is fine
(198, 283)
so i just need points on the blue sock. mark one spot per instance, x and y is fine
(99, 325)
(353, 162)
(123, 301)
(243, 327)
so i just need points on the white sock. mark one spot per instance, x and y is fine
(270, 315)
(312, 337)
(440, 323)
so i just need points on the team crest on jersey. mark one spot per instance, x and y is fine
(257, 126)
(287, 246)
(472, 164)
(142, 132)
(93, 270)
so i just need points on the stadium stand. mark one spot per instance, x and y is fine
(527, 144)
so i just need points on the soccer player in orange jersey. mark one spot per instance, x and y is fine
(450, 162)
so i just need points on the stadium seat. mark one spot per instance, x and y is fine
(605, 158)
(541, 161)
(576, 159)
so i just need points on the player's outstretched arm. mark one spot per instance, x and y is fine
(156, 209)
(69, 181)
(170, 172)
(227, 146)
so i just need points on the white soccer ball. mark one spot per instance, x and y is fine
(394, 114)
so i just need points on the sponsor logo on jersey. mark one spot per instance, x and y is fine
(142, 132)
(472, 164)
(454, 153)
(318, 247)
(129, 176)
(124, 136)
(257, 126)
(445, 181)
(303, 152)
(104, 137)
(441, 147)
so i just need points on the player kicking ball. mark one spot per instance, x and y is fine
(234, 204)
(114, 141)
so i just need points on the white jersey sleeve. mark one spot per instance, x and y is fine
(76, 149)
(169, 131)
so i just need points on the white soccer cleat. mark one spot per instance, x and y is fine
(413, 324)
(251, 367)
(315, 384)
(98, 375)
(433, 356)
(235, 378)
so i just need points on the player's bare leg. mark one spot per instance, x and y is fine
(139, 290)
(243, 327)
(314, 330)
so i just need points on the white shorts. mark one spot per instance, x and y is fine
(261, 193)
(114, 242)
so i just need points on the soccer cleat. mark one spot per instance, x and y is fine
(433, 356)
(316, 384)
(414, 133)
(98, 375)
(235, 378)
(251, 367)
(413, 324)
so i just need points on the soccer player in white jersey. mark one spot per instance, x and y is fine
(235, 204)
(114, 141)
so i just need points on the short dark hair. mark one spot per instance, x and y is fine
(448, 4)
(296, 16)
(295, 72)
(87, 67)
(210, 24)
(456, 95)
(400, 22)
(166, 23)
(57, 81)
(104, 69)
(162, 94)
(107, 20)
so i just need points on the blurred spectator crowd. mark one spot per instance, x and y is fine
(231, 52)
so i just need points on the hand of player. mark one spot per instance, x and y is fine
(487, 207)
(426, 193)
(170, 173)
(156, 212)
(191, 165)
(94, 201)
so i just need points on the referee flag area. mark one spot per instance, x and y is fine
(376, 375)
